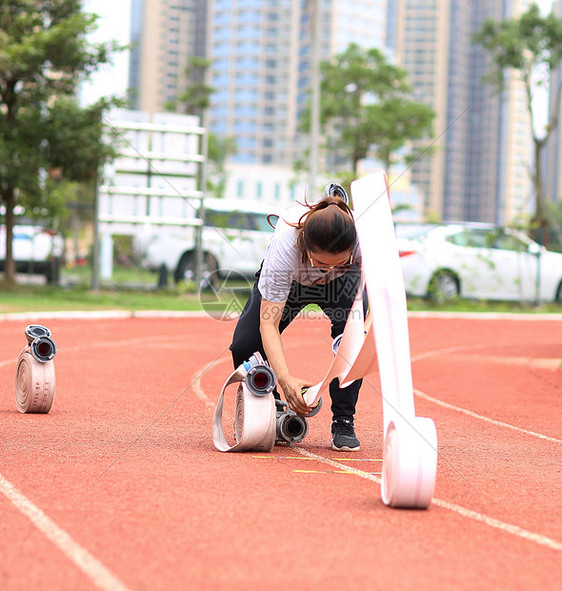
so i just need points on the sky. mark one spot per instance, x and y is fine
(113, 24)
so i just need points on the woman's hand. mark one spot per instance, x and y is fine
(270, 316)
(292, 388)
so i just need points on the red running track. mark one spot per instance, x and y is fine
(120, 487)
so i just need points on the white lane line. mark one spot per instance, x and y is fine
(465, 348)
(88, 564)
(463, 511)
(88, 346)
(483, 418)
(111, 314)
(196, 386)
(531, 317)
(501, 525)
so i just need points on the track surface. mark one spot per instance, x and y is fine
(120, 487)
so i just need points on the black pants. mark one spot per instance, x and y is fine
(335, 299)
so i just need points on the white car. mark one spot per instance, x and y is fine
(235, 237)
(477, 261)
(36, 249)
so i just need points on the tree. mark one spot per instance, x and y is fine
(195, 100)
(45, 138)
(367, 104)
(220, 148)
(197, 95)
(531, 46)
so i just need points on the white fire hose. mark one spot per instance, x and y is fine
(260, 420)
(35, 372)
(254, 422)
(410, 442)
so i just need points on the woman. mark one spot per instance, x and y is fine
(312, 258)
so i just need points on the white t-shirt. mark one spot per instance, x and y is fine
(283, 262)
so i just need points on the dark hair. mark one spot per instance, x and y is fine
(327, 226)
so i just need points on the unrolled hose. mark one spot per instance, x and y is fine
(410, 444)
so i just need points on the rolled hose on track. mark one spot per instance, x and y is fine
(409, 463)
(35, 372)
(254, 417)
(259, 420)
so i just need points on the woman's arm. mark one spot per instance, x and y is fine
(270, 317)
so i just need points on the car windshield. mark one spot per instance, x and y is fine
(413, 230)
(240, 220)
(24, 221)
(261, 222)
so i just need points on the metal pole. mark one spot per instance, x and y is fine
(96, 245)
(204, 149)
(538, 299)
(315, 88)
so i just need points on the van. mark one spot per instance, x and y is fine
(36, 249)
(234, 240)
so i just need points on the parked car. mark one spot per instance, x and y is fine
(36, 249)
(235, 236)
(476, 261)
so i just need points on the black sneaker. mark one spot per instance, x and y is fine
(343, 435)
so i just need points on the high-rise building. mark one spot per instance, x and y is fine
(477, 167)
(163, 35)
(260, 52)
(261, 72)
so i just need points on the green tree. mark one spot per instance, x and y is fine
(530, 46)
(367, 106)
(45, 138)
(195, 100)
(197, 95)
(220, 148)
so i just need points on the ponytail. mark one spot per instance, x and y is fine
(327, 226)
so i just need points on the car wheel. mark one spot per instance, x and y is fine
(186, 270)
(52, 273)
(443, 287)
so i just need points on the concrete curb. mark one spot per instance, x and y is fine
(110, 314)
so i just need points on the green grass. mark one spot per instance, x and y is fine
(43, 298)
(420, 304)
(131, 289)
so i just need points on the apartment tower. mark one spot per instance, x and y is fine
(476, 166)
(261, 64)
(163, 35)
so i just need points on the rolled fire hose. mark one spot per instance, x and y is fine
(409, 463)
(255, 413)
(35, 372)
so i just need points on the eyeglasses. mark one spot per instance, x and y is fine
(316, 264)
